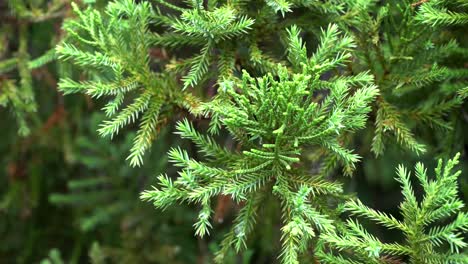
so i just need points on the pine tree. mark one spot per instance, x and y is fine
(428, 224)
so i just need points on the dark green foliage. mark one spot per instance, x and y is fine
(16, 66)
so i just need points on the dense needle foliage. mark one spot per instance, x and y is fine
(274, 126)
(423, 239)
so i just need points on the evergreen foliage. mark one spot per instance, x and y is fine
(230, 36)
(112, 193)
(408, 67)
(273, 118)
(428, 224)
(117, 45)
(16, 80)
(210, 28)
(272, 103)
(438, 13)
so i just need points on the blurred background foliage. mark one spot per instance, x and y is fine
(68, 195)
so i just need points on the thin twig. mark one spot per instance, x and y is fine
(419, 3)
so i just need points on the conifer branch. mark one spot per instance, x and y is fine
(424, 243)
